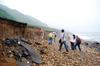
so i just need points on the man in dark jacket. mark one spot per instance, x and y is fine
(78, 42)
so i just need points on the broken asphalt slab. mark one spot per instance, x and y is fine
(34, 55)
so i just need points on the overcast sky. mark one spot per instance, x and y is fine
(72, 15)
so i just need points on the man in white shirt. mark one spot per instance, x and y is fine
(72, 42)
(62, 41)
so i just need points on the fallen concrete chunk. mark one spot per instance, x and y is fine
(10, 42)
(25, 40)
(34, 55)
(23, 64)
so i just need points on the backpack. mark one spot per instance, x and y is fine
(60, 41)
(78, 40)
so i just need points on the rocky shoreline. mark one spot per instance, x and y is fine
(50, 55)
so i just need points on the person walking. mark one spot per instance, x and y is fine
(50, 38)
(72, 42)
(62, 40)
(78, 42)
(54, 36)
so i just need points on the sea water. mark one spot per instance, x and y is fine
(93, 36)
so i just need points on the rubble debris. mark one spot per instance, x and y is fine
(34, 55)
(49, 54)
(10, 42)
(38, 43)
(43, 51)
(8, 62)
(21, 50)
(25, 41)
(23, 64)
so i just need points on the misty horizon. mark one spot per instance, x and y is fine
(74, 16)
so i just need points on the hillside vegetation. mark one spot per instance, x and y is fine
(11, 14)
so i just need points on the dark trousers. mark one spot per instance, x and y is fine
(78, 45)
(63, 43)
(50, 40)
(72, 45)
